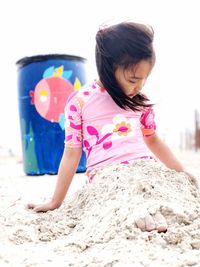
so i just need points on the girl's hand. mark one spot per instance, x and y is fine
(193, 179)
(149, 222)
(42, 207)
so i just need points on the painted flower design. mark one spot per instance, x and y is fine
(147, 119)
(121, 127)
(148, 125)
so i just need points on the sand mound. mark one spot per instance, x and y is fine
(95, 226)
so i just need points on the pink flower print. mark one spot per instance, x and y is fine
(73, 108)
(75, 126)
(107, 145)
(121, 127)
(93, 131)
(78, 139)
(125, 162)
(68, 137)
(94, 86)
(86, 93)
(148, 125)
(72, 119)
(73, 139)
(147, 118)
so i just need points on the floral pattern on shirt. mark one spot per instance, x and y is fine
(147, 121)
(96, 123)
(93, 131)
(120, 127)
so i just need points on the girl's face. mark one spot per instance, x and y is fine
(132, 80)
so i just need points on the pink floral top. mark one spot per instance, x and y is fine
(107, 133)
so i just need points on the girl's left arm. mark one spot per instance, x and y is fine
(163, 152)
(166, 156)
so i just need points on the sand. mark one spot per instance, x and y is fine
(95, 225)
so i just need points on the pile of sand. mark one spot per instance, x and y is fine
(95, 226)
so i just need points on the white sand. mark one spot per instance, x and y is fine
(95, 225)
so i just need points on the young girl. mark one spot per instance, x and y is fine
(111, 117)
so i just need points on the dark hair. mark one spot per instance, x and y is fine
(123, 45)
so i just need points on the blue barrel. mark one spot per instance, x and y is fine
(44, 84)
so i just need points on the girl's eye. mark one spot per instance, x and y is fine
(133, 82)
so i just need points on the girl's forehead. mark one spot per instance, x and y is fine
(140, 70)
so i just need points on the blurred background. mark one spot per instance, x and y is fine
(37, 27)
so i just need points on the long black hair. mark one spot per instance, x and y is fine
(123, 45)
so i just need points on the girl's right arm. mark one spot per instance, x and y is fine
(67, 169)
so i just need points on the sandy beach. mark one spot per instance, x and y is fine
(95, 225)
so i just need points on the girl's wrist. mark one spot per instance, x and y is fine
(55, 203)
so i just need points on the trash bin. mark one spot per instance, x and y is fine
(44, 84)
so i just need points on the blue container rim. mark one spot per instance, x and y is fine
(38, 58)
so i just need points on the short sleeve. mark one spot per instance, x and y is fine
(147, 122)
(73, 122)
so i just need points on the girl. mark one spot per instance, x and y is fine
(111, 117)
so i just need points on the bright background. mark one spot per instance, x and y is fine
(32, 27)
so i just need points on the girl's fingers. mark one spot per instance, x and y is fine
(39, 209)
(161, 223)
(140, 223)
(42, 208)
(30, 206)
(150, 223)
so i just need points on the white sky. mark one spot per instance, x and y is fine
(32, 27)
